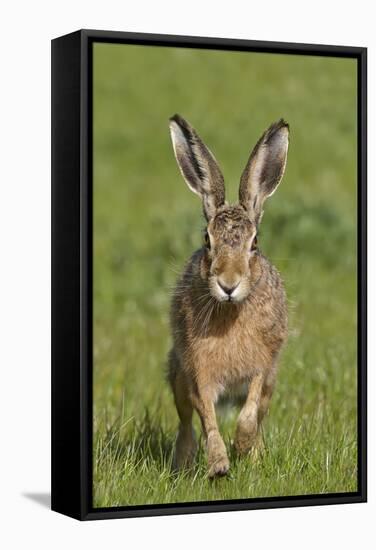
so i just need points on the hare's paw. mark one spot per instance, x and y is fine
(246, 433)
(217, 456)
(219, 467)
(246, 445)
(243, 444)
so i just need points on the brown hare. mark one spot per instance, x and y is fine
(228, 314)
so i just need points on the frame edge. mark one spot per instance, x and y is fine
(65, 272)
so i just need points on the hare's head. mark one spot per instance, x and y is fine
(231, 231)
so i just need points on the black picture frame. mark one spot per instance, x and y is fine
(72, 273)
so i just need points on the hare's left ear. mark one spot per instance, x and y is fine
(264, 169)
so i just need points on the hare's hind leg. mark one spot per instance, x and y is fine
(186, 444)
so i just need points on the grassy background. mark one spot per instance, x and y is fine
(147, 223)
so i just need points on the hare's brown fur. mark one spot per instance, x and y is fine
(228, 314)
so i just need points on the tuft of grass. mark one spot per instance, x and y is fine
(146, 225)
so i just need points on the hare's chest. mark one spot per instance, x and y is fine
(230, 358)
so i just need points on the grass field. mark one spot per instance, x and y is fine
(147, 223)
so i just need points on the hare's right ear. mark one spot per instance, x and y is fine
(198, 166)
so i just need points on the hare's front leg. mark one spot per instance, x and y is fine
(218, 462)
(250, 416)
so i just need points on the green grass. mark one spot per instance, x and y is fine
(147, 223)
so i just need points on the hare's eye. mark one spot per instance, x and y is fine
(207, 240)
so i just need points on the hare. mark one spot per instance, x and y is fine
(228, 312)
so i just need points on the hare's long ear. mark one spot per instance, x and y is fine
(264, 169)
(198, 166)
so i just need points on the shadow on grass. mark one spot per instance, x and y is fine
(141, 442)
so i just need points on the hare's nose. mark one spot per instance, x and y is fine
(228, 289)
